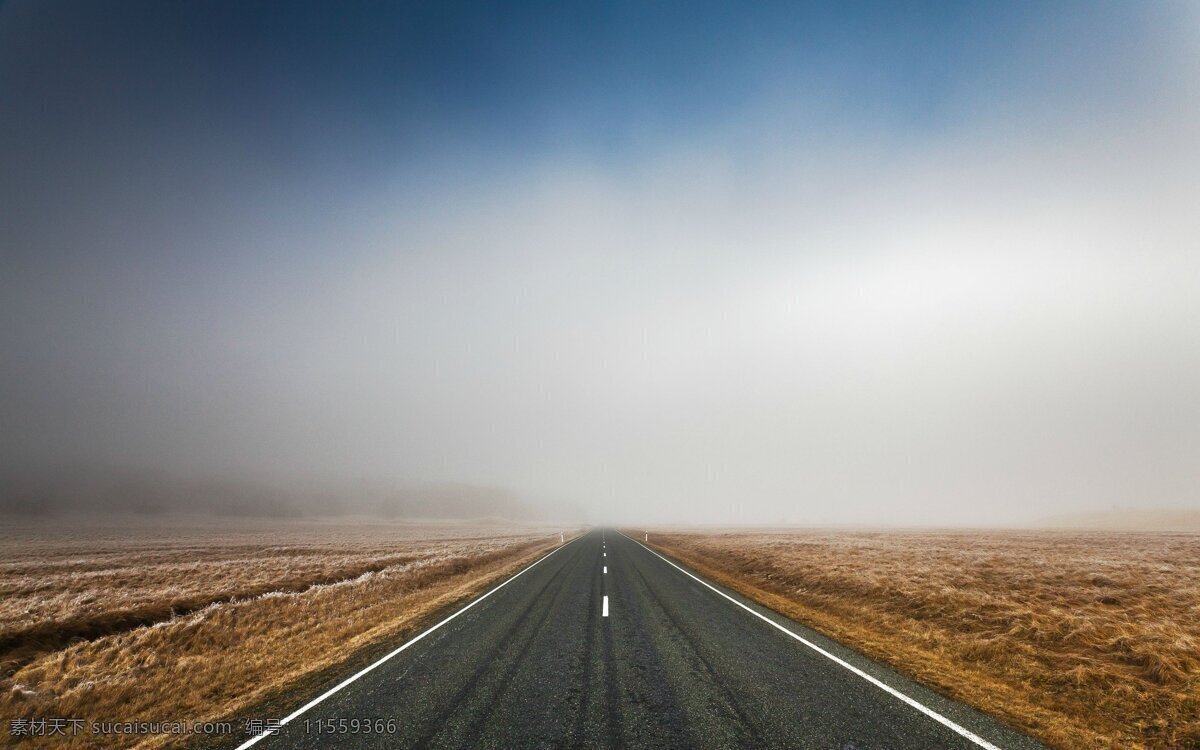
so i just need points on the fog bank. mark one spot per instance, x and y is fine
(875, 266)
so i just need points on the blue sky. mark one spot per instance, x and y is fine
(615, 253)
(364, 87)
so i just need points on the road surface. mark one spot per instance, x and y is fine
(605, 644)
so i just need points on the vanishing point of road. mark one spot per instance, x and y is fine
(604, 643)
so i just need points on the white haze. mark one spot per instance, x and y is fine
(777, 319)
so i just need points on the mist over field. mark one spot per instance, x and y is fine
(90, 493)
(645, 264)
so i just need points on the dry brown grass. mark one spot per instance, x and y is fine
(1084, 639)
(202, 622)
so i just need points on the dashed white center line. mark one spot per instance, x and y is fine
(605, 612)
(605, 570)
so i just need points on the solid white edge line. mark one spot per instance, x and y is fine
(605, 612)
(840, 662)
(282, 722)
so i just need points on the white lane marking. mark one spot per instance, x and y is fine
(606, 554)
(363, 671)
(605, 612)
(605, 570)
(841, 662)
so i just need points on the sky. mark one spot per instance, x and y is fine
(847, 263)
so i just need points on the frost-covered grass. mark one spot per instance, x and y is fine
(1084, 639)
(199, 622)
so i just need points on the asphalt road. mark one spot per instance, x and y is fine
(674, 664)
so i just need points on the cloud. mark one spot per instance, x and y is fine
(796, 312)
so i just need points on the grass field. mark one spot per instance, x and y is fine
(200, 622)
(1082, 639)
